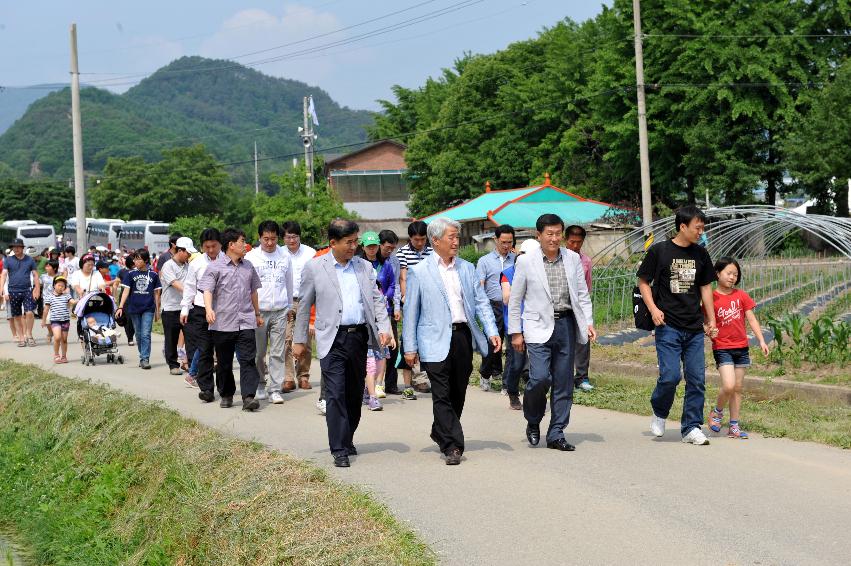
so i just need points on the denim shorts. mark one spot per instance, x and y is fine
(738, 357)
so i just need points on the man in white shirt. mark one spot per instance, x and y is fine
(273, 265)
(193, 314)
(299, 255)
(172, 275)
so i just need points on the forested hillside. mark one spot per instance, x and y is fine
(731, 88)
(181, 104)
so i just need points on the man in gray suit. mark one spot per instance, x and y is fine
(549, 285)
(351, 315)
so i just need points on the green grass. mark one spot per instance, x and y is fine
(789, 418)
(94, 476)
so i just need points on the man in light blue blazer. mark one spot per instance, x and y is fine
(549, 295)
(443, 299)
(351, 315)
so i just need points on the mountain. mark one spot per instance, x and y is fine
(192, 100)
(14, 102)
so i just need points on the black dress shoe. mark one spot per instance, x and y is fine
(514, 402)
(342, 461)
(352, 450)
(250, 404)
(561, 444)
(206, 396)
(226, 402)
(453, 457)
(533, 434)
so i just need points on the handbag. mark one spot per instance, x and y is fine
(643, 319)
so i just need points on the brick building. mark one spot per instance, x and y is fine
(371, 180)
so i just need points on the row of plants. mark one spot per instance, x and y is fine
(820, 341)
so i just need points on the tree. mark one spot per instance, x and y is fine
(192, 226)
(187, 181)
(820, 144)
(292, 202)
(45, 202)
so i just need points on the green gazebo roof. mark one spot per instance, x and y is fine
(522, 207)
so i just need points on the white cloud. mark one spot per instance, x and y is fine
(254, 29)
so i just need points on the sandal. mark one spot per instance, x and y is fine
(715, 418)
(31, 341)
(22, 344)
(57, 359)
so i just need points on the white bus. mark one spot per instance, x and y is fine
(36, 237)
(105, 232)
(150, 235)
(69, 232)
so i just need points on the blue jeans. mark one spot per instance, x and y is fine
(551, 365)
(193, 366)
(673, 346)
(142, 323)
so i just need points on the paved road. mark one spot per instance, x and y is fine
(621, 498)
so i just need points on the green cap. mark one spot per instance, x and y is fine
(369, 239)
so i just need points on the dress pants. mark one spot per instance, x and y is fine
(243, 343)
(515, 364)
(449, 380)
(271, 336)
(200, 340)
(551, 365)
(391, 374)
(582, 361)
(344, 372)
(492, 363)
(171, 332)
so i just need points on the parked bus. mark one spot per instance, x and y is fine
(36, 237)
(105, 232)
(69, 232)
(147, 234)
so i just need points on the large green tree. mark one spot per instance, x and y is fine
(45, 202)
(187, 181)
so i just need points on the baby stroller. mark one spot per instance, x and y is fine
(96, 328)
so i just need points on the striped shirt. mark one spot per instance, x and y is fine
(59, 311)
(409, 257)
(557, 280)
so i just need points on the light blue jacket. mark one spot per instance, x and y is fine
(427, 321)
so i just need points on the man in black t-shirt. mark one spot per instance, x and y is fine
(682, 274)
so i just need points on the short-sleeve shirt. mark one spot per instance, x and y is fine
(141, 286)
(170, 272)
(409, 257)
(730, 319)
(20, 273)
(59, 311)
(231, 285)
(677, 274)
(87, 283)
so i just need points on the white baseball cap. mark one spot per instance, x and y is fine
(529, 245)
(186, 244)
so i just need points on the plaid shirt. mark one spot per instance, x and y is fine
(557, 280)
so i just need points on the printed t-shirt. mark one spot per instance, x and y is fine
(730, 319)
(141, 286)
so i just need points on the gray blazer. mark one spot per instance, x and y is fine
(531, 290)
(319, 286)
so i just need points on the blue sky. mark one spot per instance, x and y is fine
(121, 38)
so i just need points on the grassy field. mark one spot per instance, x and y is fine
(93, 476)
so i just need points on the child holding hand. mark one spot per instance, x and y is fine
(58, 311)
(730, 343)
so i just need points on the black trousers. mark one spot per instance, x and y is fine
(198, 338)
(171, 331)
(344, 371)
(129, 330)
(449, 380)
(391, 374)
(241, 342)
(492, 363)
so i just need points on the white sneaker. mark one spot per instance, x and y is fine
(657, 426)
(485, 384)
(504, 391)
(586, 386)
(276, 398)
(379, 392)
(695, 436)
(320, 406)
(261, 394)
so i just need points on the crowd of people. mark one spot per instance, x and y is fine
(372, 308)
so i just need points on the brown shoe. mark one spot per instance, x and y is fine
(288, 386)
(422, 388)
(304, 383)
(453, 457)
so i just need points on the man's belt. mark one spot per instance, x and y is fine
(562, 314)
(351, 327)
(459, 326)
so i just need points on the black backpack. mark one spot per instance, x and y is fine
(643, 319)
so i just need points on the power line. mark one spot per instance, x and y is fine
(747, 36)
(380, 31)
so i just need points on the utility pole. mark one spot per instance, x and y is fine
(643, 152)
(307, 140)
(256, 175)
(77, 133)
